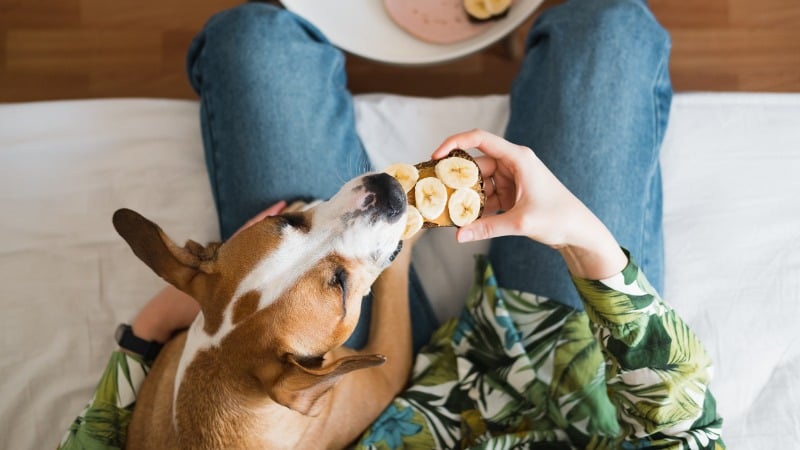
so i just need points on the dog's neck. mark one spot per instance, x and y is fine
(217, 406)
(197, 341)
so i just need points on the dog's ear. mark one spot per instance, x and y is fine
(302, 384)
(177, 265)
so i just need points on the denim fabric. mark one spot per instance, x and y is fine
(277, 119)
(592, 99)
(278, 124)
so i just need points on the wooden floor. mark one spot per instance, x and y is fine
(63, 49)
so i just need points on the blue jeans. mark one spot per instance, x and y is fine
(592, 99)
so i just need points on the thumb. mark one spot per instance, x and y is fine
(485, 228)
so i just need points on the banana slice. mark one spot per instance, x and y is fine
(405, 173)
(413, 223)
(464, 206)
(456, 172)
(483, 10)
(430, 197)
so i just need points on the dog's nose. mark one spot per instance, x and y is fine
(389, 197)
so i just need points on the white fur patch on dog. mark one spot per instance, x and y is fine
(337, 227)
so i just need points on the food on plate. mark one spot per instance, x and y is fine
(483, 10)
(441, 193)
(441, 22)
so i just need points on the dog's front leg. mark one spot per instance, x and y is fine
(390, 330)
(364, 394)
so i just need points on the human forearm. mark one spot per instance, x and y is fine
(591, 251)
(390, 333)
(535, 204)
(657, 370)
(168, 311)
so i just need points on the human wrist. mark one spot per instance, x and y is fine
(134, 345)
(167, 312)
(150, 330)
(593, 253)
(591, 264)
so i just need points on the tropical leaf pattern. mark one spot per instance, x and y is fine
(516, 370)
(103, 424)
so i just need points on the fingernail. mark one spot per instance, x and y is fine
(465, 235)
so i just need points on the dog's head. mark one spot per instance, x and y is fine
(282, 293)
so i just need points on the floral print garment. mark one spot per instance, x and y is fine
(521, 371)
(103, 424)
(517, 371)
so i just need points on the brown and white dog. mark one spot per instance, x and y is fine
(263, 365)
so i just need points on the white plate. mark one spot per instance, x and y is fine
(363, 27)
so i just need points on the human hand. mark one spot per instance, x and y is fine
(273, 210)
(534, 203)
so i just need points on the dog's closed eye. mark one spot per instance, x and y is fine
(298, 221)
(339, 280)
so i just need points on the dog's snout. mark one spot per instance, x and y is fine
(386, 195)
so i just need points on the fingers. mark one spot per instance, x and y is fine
(487, 166)
(492, 204)
(490, 144)
(499, 166)
(271, 211)
(487, 228)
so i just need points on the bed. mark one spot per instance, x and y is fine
(731, 166)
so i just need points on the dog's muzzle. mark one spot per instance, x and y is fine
(386, 198)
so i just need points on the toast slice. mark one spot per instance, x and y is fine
(444, 197)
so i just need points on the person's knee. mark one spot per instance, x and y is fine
(622, 19)
(609, 23)
(619, 22)
(253, 28)
(613, 39)
(250, 41)
(256, 31)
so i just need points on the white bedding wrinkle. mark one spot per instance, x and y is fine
(731, 215)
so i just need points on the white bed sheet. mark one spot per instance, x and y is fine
(732, 218)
